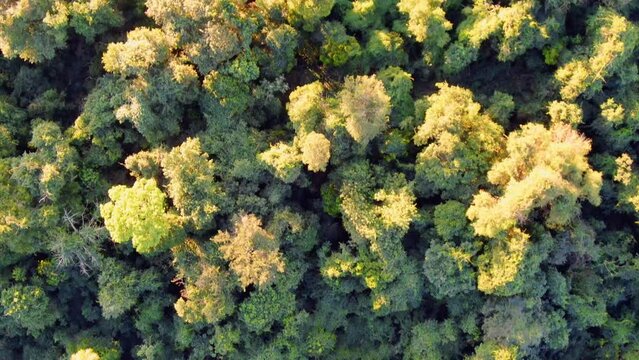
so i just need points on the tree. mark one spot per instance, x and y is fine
(265, 307)
(531, 178)
(156, 85)
(563, 112)
(29, 307)
(53, 165)
(501, 108)
(284, 161)
(253, 253)
(304, 107)
(461, 144)
(449, 270)
(427, 23)
(399, 86)
(138, 214)
(612, 41)
(208, 299)
(120, 288)
(33, 29)
(282, 42)
(450, 221)
(491, 350)
(85, 354)
(338, 47)
(7, 143)
(515, 28)
(143, 49)
(23, 228)
(617, 123)
(365, 105)
(316, 151)
(97, 123)
(90, 18)
(501, 266)
(366, 14)
(192, 183)
(307, 14)
(432, 340)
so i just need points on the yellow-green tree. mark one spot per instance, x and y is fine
(612, 39)
(460, 144)
(138, 214)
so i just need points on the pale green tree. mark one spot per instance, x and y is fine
(366, 107)
(544, 169)
(208, 299)
(304, 107)
(316, 151)
(427, 23)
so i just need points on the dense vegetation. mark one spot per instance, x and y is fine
(319, 179)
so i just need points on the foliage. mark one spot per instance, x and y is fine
(365, 105)
(460, 143)
(138, 214)
(32, 29)
(613, 39)
(319, 179)
(253, 253)
(191, 183)
(532, 177)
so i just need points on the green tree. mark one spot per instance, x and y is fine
(282, 42)
(308, 14)
(192, 185)
(29, 307)
(514, 27)
(52, 167)
(366, 14)
(338, 47)
(449, 270)
(33, 29)
(460, 144)
(265, 307)
(399, 85)
(120, 287)
(90, 18)
(156, 85)
(432, 340)
(612, 40)
(97, 124)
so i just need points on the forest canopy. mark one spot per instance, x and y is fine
(319, 179)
